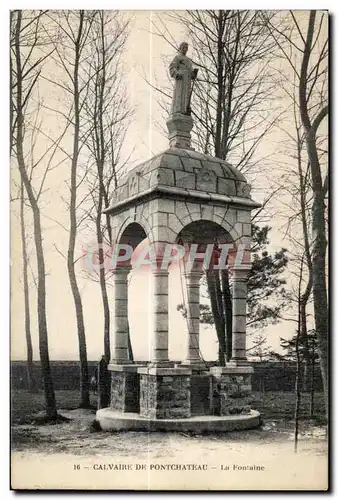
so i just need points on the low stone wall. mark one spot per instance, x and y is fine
(267, 376)
(164, 396)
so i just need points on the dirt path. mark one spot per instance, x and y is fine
(70, 456)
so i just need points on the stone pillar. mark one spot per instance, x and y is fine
(160, 326)
(192, 282)
(120, 339)
(239, 297)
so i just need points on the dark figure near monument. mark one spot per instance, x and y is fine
(102, 376)
(181, 69)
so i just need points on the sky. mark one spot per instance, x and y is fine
(143, 60)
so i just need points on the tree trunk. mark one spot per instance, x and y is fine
(227, 305)
(220, 86)
(306, 295)
(319, 291)
(41, 286)
(30, 371)
(218, 318)
(101, 148)
(298, 395)
(84, 379)
(319, 242)
(312, 383)
(104, 295)
(297, 384)
(305, 343)
(130, 347)
(106, 315)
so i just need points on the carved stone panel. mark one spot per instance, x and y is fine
(206, 181)
(133, 184)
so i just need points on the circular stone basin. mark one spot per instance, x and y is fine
(111, 421)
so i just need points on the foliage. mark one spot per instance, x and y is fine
(265, 283)
(260, 349)
(308, 348)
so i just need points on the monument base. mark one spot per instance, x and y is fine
(164, 392)
(232, 389)
(111, 421)
(125, 387)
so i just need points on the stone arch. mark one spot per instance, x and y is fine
(140, 221)
(216, 219)
(204, 231)
(132, 233)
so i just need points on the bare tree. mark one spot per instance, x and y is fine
(298, 216)
(26, 65)
(232, 110)
(234, 83)
(108, 115)
(305, 48)
(70, 33)
(25, 261)
(297, 384)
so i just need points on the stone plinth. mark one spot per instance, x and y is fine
(232, 390)
(164, 393)
(179, 128)
(125, 388)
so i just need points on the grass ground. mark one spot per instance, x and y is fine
(276, 408)
(272, 405)
(44, 456)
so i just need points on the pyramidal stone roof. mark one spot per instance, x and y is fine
(182, 173)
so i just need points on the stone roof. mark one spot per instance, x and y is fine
(182, 171)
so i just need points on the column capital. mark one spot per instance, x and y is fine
(157, 271)
(193, 274)
(121, 271)
(241, 273)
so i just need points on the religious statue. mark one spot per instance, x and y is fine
(181, 69)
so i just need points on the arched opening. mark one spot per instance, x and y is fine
(132, 235)
(131, 288)
(208, 248)
(204, 231)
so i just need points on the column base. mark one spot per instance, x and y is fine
(161, 364)
(164, 392)
(238, 362)
(125, 387)
(120, 362)
(194, 365)
(232, 389)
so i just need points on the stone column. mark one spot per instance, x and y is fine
(192, 281)
(160, 326)
(239, 297)
(120, 340)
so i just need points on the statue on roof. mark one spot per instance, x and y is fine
(181, 69)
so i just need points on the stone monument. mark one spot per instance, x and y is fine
(180, 195)
(180, 122)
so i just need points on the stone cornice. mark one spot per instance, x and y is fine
(172, 192)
